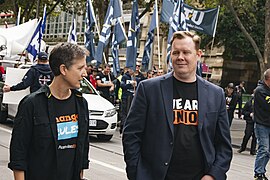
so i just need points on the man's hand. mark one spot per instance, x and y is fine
(207, 177)
(18, 175)
(6, 88)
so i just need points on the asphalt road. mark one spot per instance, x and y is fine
(107, 157)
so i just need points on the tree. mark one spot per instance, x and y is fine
(263, 61)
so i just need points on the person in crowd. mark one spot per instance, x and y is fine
(36, 77)
(248, 112)
(2, 71)
(50, 135)
(138, 74)
(104, 82)
(231, 101)
(199, 69)
(93, 76)
(128, 86)
(240, 89)
(89, 70)
(149, 74)
(118, 96)
(262, 125)
(160, 72)
(177, 126)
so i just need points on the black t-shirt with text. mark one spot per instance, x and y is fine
(66, 117)
(105, 91)
(187, 162)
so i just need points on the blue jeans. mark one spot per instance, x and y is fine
(263, 138)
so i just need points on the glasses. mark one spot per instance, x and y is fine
(138, 65)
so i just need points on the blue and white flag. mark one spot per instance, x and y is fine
(89, 35)
(34, 46)
(132, 43)
(72, 35)
(150, 39)
(113, 12)
(202, 20)
(118, 37)
(178, 23)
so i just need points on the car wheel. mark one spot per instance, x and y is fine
(104, 137)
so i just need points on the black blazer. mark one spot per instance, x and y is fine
(148, 133)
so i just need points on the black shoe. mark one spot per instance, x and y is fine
(253, 153)
(240, 150)
(260, 177)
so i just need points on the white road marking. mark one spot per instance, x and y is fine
(6, 130)
(91, 160)
(107, 165)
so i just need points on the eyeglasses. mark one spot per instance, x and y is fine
(138, 65)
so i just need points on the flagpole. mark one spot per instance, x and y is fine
(97, 28)
(157, 33)
(18, 16)
(214, 34)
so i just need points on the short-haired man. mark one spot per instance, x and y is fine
(177, 126)
(262, 125)
(50, 135)
(104, 82)
(36, 77)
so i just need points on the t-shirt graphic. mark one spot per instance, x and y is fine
(67, 126)
(66, 117)
(185, 111)
(187, 161)
(44, 79)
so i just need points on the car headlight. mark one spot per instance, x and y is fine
(110, 112)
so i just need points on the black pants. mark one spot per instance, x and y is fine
(239, 101)
(230, 115)
(125, 106)
(249, 131)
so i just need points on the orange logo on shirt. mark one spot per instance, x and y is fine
(187, 117)
(67, 118)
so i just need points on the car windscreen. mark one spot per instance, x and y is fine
(86, 87)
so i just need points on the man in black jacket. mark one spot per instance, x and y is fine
(248, 112)
(50, 135)
(37, 76)
(262, 125)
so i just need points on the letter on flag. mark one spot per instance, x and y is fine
(133, 32)
(35, 44)
(202, 20)
(150, 38)
(72, 35)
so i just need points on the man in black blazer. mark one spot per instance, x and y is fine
(177, 126)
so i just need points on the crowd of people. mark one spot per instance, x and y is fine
(173, 126)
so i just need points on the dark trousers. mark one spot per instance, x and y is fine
(125, 106)
(249, 131)
(230, 115)
(239, 101)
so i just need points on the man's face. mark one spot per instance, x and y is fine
(107, 70)
(160, 72)
(138, 67)
(184, 59)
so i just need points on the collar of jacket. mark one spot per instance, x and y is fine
(45, 89)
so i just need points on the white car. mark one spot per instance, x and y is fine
(102, 113)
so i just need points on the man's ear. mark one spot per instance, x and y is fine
(199, 53)
(63, 69)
